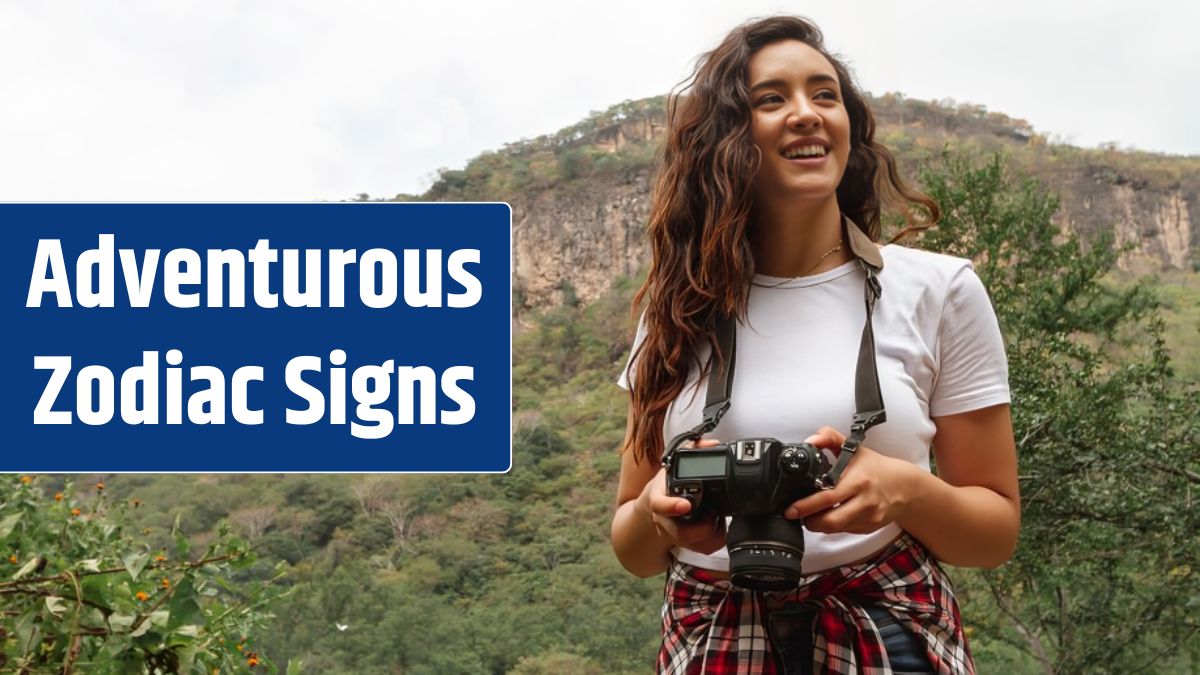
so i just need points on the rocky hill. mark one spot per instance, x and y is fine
(580, 196)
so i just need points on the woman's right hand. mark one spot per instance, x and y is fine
(704, 536)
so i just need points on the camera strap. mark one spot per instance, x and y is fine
(719, 391)
(868, 398)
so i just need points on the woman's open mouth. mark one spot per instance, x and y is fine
(812, 152)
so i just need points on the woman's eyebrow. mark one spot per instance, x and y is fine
(812, 79)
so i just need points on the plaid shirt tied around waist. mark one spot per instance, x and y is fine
(711, 626)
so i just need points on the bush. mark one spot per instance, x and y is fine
(83, 594)
(1104, 578)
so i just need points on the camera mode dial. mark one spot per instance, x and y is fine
(797, 458)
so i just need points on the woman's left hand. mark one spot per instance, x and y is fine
(873, 491)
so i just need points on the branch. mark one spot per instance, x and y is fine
(44, 593)
(159, 603)
(1064, 637)
(113, 570)
(1170, 648)
(1150, 615)
(1193, 477)
(1035, 643)
(1029, 434)
(240, 605)
(1115, 521)
(76, 639)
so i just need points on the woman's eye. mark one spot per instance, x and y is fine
(770, 98)
(827, 95)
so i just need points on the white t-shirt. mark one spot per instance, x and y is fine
(938, 348)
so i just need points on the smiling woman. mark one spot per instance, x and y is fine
(763, 229)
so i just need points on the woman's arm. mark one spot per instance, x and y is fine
(644, 529)
(967, 515)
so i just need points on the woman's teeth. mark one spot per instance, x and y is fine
(805, 151)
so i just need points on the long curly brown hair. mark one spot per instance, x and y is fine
(702, 264)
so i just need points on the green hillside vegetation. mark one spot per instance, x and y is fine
(1180, 294)
(563, 160)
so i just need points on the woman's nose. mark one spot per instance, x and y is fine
(803, 115)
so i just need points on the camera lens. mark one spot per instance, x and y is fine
(765, 552)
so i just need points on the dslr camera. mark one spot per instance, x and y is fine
(753, 480)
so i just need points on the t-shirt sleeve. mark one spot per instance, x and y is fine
(972, 370)
(627, 373)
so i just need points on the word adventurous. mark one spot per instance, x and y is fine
(223, 274)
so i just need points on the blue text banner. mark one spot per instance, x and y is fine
(350, 337)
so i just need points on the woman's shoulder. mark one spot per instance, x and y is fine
(917, 266)
(908, 256)
(923, 279)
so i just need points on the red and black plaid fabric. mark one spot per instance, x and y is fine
(711, 626)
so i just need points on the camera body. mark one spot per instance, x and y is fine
(753, 480)
(749, 477)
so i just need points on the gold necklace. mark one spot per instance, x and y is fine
(820, 260)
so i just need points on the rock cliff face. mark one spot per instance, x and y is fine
(571, 246)
(570, 243)
(1160, 224)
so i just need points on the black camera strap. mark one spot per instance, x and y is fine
(720, 388)
(868, 398)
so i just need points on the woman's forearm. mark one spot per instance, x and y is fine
(967, 515)
(639, 546)
(966, 526)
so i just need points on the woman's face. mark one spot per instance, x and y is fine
(799, 122)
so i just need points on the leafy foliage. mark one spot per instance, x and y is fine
(81, 594)
(1104, 578)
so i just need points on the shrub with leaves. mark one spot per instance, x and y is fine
(1105, 577)
(80, 592)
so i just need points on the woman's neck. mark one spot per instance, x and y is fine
(789, 239)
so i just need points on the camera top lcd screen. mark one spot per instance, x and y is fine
(699, 465)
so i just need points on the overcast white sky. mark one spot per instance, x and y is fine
(313, 99)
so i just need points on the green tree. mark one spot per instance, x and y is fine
(1104, 578)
